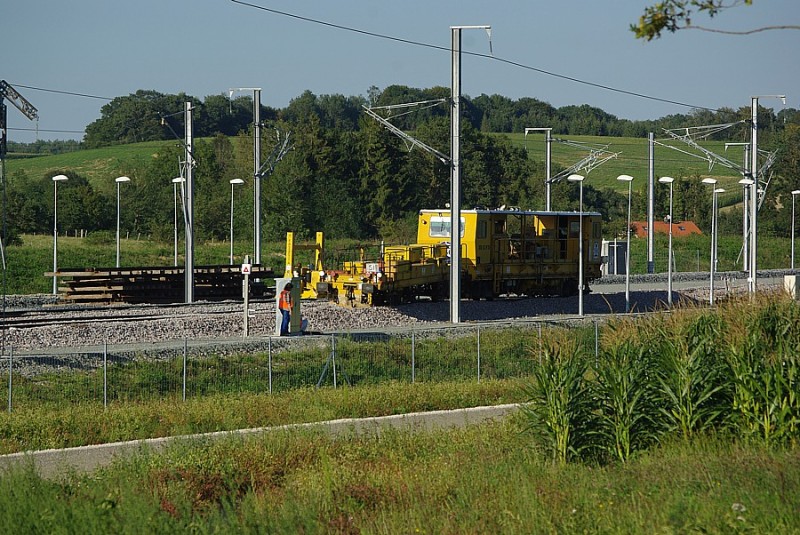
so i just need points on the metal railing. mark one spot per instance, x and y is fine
(193, 369)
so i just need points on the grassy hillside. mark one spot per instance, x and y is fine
(96, 165)
(633, 159)
(102, 164)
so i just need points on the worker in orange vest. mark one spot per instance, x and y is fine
(285, 306)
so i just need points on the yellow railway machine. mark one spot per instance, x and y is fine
(503, 251)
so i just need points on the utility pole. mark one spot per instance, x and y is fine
(189, 207)
(27, 109)
(455, 169)
(256, 168)
(746, 183)
(256, 178)
(455, 175)
(651, 190)
(548, 144)
(754, 194)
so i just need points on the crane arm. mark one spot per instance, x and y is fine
(8, 92)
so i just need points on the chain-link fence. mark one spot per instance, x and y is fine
(193, 369)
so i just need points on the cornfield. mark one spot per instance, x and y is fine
(733, 371)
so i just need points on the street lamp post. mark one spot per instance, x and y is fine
(234, 182)
(714, 190)
(175, 182)
(669, 180)
(56, 180)
(119, 181)
(579, 179)
(754, 174)
(795, 193)
(629, 180)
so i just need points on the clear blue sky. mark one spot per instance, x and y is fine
(111, 48)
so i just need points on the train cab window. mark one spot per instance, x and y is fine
(562, 227)
(574, 228)
(482, 229)
(440, 227)
(596, 230)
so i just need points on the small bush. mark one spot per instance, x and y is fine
(101, 237)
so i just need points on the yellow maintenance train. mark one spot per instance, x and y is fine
(503, 251)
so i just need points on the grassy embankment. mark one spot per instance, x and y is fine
(713, 436)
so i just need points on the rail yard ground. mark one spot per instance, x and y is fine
(75, 327)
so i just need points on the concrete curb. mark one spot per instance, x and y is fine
(53, 463)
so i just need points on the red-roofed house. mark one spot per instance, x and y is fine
(684, 228)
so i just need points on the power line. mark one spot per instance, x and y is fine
(475, 54)
(52, 131)
(71, 93)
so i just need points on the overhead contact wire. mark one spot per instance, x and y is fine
(475, 54)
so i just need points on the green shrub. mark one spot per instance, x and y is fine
(101, 237)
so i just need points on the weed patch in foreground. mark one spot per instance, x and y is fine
(480, 479)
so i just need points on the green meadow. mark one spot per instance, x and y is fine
(633, 159)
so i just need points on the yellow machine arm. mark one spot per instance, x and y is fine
(310, 276)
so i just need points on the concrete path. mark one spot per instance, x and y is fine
(54, 463)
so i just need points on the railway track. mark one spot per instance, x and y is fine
(46, 327)
(49, 316)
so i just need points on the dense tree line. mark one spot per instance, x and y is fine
(348, 176)
(149, 115)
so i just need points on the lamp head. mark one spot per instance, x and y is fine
(711, 181)
(178, 180)
(719, 190)
(576, 178)
(625, 178)
(122, 179)
(60, 178)
(796, 192)
(746, 182)
(666, 180)
(236, 181)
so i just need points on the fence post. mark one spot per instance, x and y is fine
(10, 365)
(479, 353)
(333, 359)
(413, 357)
(185, 351)
(105, 374)
(269, 363)
(539, 325)
(596, 341)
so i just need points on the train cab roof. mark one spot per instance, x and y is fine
(510, 211)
